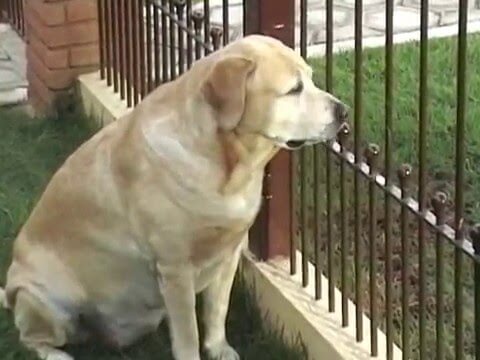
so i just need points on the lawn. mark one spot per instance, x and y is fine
(30, 151)
(442, 106)
(441, 167)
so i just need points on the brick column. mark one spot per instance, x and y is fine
(62, 42)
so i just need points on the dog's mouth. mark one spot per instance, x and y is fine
(295, 144)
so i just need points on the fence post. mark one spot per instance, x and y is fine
(270, 235)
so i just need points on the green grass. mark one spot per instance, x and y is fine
(442, 108)
(441, 175)
(30, 151)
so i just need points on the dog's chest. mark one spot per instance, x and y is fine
(242, 207)
(215, 236)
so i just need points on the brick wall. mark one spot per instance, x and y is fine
(62, 42)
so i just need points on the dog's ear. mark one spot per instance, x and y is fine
(225, 89)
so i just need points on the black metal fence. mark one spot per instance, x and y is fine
(13, 10)
(147, 43)
(415, 273)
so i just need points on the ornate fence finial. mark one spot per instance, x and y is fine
(343, 135)
(197, 17)
(371, 154)
(403, 174)
(216, 34)
(180, 8)
(439, 204)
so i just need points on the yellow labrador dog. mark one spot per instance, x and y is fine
(156, 206)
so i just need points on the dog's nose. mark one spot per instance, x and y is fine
(341, 113)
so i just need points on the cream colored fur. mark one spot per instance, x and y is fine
(156, 207)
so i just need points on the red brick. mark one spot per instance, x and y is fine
(49, 13)
(52, 58)
(70, 34)
(84, 55)
(80, 10)
(37, 90)
(54, 79)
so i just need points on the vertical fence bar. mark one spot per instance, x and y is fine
(128, 52)
(403, 176)
(304, 166)
(460, 174)
(371, 155)
(422, 173)
(143, 55)
(389, 82)
(357, 145)
(122, 46)
(197, 24)
(156, 45)
(343, 228)
(475, 235)
(294, 213)
(108, 41)
(135, 49)
(22, 18)
(101, 36)
(206, 24)
(317, 163)
(180, 4)
(115, 43)
(329, 88)
(303, 28)
(171, 31)
(10, 10)
(15, 14)
(303, 213)
(18, 15)
(165, 75)
(148, 25)
(189, 37)
(226, 22)
(439, 203)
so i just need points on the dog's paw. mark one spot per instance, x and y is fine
(58, 355)
(222, 352)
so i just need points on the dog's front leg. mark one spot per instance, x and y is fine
(178, 291)
(216, 299)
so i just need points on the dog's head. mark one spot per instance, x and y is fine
(259, 86)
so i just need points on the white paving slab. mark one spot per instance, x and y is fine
(13, 79)
(406, 18)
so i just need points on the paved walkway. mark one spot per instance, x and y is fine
(13, 81)
(443, 13)
(443, 18)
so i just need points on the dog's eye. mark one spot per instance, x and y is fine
(297, 89)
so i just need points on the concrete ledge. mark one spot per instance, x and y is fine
(294, 311)
(98, 100)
